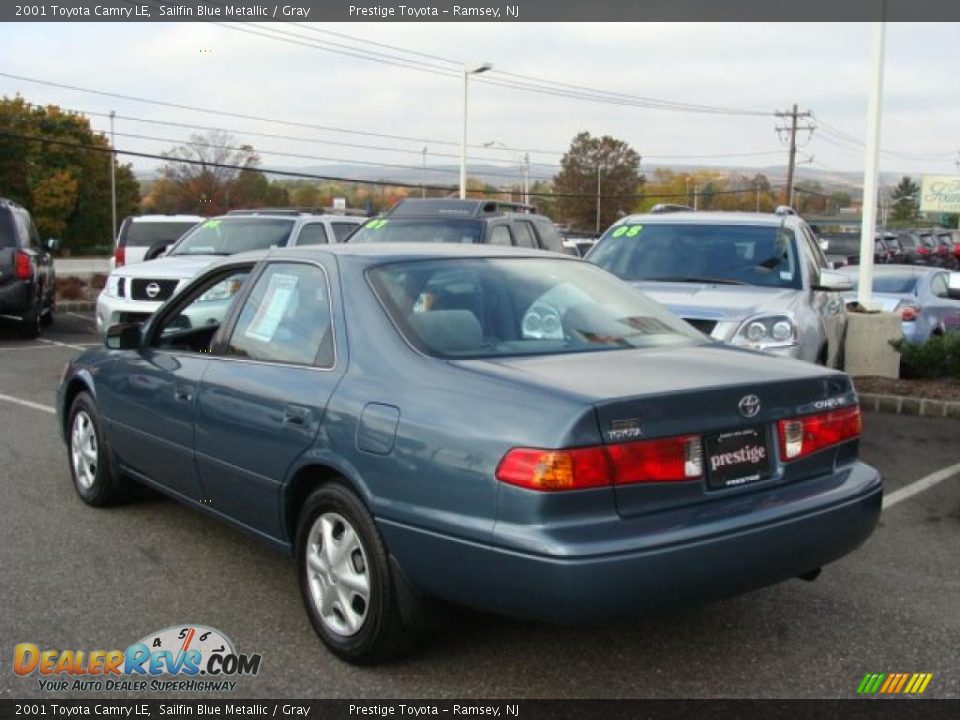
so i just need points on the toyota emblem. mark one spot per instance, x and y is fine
(749, 406)
(153, 289)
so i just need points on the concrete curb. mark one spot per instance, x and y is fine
(900, 405)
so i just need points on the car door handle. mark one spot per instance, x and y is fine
(297, 415)
(183, 393)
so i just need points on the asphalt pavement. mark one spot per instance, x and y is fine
(74, 577)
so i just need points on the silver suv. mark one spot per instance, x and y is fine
(758, 281)
(133, 293)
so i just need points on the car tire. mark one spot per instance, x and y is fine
(31, 321)
(91, 467)
(358, 619)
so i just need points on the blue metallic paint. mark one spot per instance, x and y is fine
(453, 529)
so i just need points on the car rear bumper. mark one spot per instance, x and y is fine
(755, 549)
(15, 297)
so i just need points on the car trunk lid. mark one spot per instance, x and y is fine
(703, 391)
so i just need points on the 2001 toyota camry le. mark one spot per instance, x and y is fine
(507, 429)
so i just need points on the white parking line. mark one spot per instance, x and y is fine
(918, 486)
(85, 318)
(27, 403)
(60, 344)
(27, 347)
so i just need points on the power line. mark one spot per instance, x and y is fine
(261, 151)
(332, 178)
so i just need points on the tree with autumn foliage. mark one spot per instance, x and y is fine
(61, 174)
(591, 159)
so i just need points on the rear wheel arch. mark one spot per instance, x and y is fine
(304, 481)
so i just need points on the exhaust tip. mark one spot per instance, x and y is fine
(810, 575)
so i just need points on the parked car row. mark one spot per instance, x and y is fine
(932, 247)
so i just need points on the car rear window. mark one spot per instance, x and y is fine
(226, 236)
(737, 254)
(440, 230)
(889, 283)
(148, 234)
(495, 307)
(8, 236)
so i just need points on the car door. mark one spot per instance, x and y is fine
(263, 397)
(149, 395)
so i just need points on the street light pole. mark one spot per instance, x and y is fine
(468, 70)
(870, 170)
(526, 178)
(113, 178)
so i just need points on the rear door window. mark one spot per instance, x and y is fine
(525, 235)
(312, 234)
(341, 230)
(500, 235)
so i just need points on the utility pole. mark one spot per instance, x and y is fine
(756, 187)
(526, 178)
(423, 178)
(113, 178)
(599, 167)
(794, 116)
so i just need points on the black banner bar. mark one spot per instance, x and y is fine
(477, 10)
(859, 709)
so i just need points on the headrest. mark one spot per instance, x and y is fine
(448, 331)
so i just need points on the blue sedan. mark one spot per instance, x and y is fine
(924, 298)
(507, 429)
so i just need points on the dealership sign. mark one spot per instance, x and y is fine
(940, 193)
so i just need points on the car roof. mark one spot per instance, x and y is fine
(395, 252)
(166, 218)
(292, 214)
(893, 269)
(711, 218)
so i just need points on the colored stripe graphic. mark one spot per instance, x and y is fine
(894, 683)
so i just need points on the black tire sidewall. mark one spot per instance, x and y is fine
(31, 325)
(101, 492)
(368, 643)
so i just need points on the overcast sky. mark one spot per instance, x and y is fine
(823, 67)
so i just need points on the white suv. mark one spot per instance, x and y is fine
(132, 294)
(139, 234)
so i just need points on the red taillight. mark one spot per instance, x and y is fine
(805, 435)
(666, 460)
(24, 268)
(119, 256)
(663, 460)
(555, 469)
(908, 313)
(922, 250)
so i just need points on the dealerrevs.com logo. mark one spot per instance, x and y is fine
(179, 658)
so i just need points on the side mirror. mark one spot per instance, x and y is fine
(124, 336)
(831, 281)
(52, 244)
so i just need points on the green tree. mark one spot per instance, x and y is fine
(61, 174)
(904, 200)
(590, 161)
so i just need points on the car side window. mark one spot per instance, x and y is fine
(286, 318)
(341, 230)
(312, 234)
(22, 222)
(525, 235)
(549, 237)
(34, 235)
(191, 326)
(939, 286)
(500, 235)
